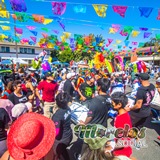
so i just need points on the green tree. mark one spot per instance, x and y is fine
(65, 56)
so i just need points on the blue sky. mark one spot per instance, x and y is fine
(79, 23)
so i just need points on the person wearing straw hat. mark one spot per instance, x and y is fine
(30, 137)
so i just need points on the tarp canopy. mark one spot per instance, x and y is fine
(6, 62)
(20, 61)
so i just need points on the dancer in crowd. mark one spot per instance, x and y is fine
(49, 88)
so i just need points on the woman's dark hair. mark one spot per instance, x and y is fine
(28, 77)
(119, 97)
(15, 83)
(104, 83)
(62, 99)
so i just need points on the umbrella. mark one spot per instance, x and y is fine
(66, 64)
(6, 62)
(57, 62)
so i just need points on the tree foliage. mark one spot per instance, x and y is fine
(65, 56)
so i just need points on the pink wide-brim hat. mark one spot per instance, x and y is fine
(31, 137)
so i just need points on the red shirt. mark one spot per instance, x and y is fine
(6, 94)
(120, 122)
(49, 90)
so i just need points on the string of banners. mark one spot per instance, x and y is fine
(59, 8)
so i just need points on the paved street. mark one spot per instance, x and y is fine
(152, 152)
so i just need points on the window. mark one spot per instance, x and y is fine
(5, 49)
(27, 51)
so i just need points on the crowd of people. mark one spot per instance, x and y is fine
(35, 114)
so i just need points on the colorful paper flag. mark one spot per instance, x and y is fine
(44, 35)
(34, 33)
(158, 36)
(25, 40)
(18, 30)
(3, 11)
(118, 41)
(38, 18)
(56, 32)
(18, 5)
(80, 9)
(31, 27)
(5, 28)
(58, 8)
(134, 43)
(112, 31)
(123, 33)
(147, 34)
(135, 33)
(34, 39)
(128, 29)
(126, 43)
(66, 35)
(121, 10)
(110, 40)
(45, 29)
(143, 29)
(100, 9)
(4, 14)
(21, 17)
(145, 11)
(47, 21)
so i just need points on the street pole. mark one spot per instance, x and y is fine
(16, 46)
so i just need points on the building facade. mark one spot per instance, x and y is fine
(24, 52)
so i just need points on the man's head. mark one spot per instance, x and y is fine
(17, 86)
(62, 99)
(49, 76)
(143, 77)
(119, 100)
(103, 84)
(71, 75)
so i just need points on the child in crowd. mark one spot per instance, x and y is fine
(119, 101)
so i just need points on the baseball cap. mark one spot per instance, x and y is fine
(70, 75)
(144, 76)
(20, 109)
(48, 74)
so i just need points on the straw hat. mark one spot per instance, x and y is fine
(31, 137)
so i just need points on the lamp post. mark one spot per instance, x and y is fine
(16, 47)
